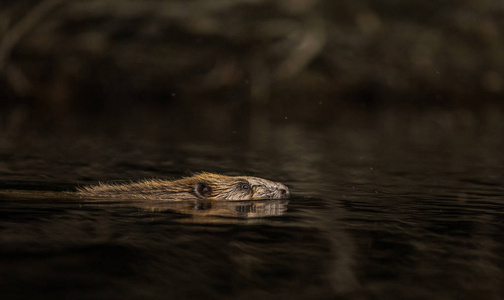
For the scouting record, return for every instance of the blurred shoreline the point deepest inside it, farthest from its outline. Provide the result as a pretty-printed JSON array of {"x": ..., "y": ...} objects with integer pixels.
[{"x": 62, "y": 57}]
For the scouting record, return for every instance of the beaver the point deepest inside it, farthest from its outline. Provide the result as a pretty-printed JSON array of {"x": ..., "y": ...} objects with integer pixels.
[{"x": 207, "y": 186}]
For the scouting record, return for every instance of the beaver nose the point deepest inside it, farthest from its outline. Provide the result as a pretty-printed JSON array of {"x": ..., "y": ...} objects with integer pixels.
[{"x": 284, "y": 193}]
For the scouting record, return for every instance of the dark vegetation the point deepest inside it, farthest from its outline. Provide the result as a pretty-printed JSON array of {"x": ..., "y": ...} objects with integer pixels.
[{"x": 305, "y": 58}]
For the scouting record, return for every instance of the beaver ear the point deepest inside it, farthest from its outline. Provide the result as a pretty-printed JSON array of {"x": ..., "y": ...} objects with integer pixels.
[{"x": 202, "y": 189}]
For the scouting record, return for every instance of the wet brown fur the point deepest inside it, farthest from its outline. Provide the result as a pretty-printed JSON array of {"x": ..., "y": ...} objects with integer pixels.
[{"x": 207, "y": 186}]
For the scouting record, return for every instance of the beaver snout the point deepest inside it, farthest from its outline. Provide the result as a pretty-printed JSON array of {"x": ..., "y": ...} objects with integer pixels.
[{"x": 282, "y": 192}]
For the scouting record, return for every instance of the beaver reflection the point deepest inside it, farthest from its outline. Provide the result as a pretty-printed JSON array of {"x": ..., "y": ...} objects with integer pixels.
[
  {"x": 200, "y": 210},
  {"x": 213, "y": 210}
]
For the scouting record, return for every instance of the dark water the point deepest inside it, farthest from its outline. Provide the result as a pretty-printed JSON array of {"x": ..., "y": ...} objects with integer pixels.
[{"x": 386, "y": 207}]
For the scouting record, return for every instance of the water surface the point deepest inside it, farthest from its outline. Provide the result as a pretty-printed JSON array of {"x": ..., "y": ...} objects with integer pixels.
[{"x": 388, "y": 207}]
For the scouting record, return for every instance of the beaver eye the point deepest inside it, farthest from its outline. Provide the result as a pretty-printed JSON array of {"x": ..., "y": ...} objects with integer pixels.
[{"x": 245, "y": 186}]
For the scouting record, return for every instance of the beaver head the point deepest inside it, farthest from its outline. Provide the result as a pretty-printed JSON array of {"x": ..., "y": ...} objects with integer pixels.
[{"x": 219, "y": 187}]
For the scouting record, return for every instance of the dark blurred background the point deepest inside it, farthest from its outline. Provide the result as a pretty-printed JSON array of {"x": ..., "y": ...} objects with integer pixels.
[
  {"x": 384, "y": 118},
  {"x": 226, "y": 68}
]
